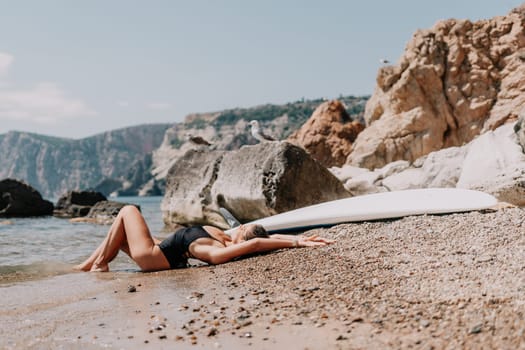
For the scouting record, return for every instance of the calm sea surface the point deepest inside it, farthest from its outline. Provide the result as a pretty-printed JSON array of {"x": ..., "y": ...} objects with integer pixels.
[{"x": 39, "y": 247}]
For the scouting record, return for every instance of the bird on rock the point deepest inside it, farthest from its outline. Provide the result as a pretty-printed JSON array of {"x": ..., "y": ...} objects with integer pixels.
[
  {"x": 197, "y": 140},
  {"x": 258, "y": 133}
]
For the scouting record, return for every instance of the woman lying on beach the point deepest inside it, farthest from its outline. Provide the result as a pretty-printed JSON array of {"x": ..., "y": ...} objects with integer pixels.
[{"x": 130, "y": 234}]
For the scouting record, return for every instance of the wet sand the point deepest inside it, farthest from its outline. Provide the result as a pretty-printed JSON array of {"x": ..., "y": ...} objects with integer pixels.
[{"x": 451, "y": 281}]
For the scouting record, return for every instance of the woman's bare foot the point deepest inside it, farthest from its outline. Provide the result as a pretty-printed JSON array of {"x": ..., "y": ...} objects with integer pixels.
[
  {"x": 82, "y": 267},
  {"x": 99, "y": 268}
]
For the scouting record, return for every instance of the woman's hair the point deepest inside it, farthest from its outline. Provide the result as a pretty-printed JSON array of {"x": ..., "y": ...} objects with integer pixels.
[{"x": 256, "y": 231}]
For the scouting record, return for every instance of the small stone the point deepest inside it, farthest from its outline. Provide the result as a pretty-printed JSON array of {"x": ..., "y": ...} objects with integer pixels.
[
  {"x": 248, "y": 335},
  {"x": 424, "y": 323},
  {"x": 132, "y": 289},
  {"x": 341, "y": 337},
  {"x": 476, "y": 329},
  {"x": 163, "y": 336},
  {"x": 212, "y": 332},
  {"x": 197, "y": 295}
]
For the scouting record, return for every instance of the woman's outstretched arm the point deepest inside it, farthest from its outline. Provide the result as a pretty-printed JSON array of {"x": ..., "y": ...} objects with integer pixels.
[
  {"x": 313, "y": 238},
  {"x": 219, "y": 255}
]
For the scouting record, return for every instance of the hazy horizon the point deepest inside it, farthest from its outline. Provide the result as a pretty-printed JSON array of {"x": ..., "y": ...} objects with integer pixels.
[{"x": 75, "y": 70}]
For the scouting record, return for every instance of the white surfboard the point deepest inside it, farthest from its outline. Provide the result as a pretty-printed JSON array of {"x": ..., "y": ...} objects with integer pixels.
[{"x": 376, "y": 206}]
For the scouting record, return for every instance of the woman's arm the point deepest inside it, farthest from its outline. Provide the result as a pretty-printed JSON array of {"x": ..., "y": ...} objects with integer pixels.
[
  {"x": 313, "y": 238},
  {"x": 219, "y": 255}
]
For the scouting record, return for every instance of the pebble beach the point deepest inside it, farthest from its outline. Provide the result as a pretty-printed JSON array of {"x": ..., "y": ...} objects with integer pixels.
[{"x": 421, "y": 282}]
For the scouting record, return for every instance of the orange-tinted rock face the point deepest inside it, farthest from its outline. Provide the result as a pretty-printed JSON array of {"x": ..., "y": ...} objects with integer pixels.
[
  {"x": 454, "y": 82},
  {"x": 328, "y": 135}
]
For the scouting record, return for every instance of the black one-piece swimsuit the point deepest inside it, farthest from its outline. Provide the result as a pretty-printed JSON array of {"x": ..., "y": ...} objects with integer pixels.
[{"x": 177, "y": 245}]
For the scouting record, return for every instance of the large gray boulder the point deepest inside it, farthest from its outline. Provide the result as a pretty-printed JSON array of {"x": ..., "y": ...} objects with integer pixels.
[
  {"x": 187, "y": 199},
  {"x": 18, "y": 199},
  {"x": 252, "y": 182}
]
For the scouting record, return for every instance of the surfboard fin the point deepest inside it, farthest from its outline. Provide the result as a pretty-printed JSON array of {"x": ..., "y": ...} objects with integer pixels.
[{"x": 230, "y": 219}]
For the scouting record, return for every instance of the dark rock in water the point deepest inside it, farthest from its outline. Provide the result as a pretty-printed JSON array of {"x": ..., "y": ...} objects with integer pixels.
[
  {"x": 252, "y": 182},
  {"x": 20, "y": 199},
  {"x": 77, "y": 203},
  {"x": 104, "y": 212}
]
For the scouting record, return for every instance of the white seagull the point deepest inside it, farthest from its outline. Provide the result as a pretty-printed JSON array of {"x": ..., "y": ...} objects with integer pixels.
[
  {"x": 258, "y": 133},
  {"x": 197, "y": 140},
  {"x": 384, "y": 61}
]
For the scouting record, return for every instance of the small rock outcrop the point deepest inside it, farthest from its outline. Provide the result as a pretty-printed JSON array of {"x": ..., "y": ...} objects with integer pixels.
[
  {"x": 454, "y": 82},
  {"x": 18, "y": 199},
  {"x": 77, "y": 203},
  {"x": 252, "y": 182},
  {"x": 328, "y": 135}
]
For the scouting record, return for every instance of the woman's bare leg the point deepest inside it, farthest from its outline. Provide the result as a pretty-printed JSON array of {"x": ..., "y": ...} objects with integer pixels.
[
  {"x": 130, "y": 233},
  {"x": 86, "y": 265}
]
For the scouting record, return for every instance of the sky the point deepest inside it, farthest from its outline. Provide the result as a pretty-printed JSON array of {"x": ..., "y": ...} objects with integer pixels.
[{"x": 77, "y": 68}]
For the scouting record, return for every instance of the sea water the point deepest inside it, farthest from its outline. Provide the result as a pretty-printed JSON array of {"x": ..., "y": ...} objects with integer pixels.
[{"x": 45, "y": 246}]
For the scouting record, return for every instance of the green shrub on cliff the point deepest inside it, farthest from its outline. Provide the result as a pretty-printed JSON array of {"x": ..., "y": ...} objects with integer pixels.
[{"x": 297, "y": 112}]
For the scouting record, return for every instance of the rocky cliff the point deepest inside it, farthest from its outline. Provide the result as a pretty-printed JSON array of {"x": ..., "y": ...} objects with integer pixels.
[
  {"x": 229, "y": 129},
  {"x": 55, "y": 165},
  {"x": 454, "y": 81},
  {"x": 329, "y": 133}
]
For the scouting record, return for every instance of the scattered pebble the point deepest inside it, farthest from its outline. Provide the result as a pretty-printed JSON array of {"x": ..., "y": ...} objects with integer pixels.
[
  {"x": 476, "y": 329},
  {"x": 132, "y": 289}
]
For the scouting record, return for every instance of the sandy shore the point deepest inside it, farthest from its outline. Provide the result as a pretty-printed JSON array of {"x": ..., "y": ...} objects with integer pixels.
[{"x": 452, "y": 281}]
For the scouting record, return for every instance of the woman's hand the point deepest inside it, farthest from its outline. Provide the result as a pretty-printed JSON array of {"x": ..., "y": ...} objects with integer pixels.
[
  {"x": 313, "y": 241},
  {"x": 218, "y": 234},
  {"x": 238, "y": 235}
]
